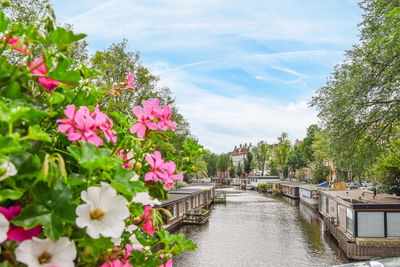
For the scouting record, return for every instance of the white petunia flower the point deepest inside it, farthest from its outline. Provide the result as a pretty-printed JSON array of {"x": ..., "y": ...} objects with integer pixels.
[
  {"x": 104, "y": 213},
  {"x": 135, "y": 177},
  {"x": 44, "y": 252},
  {"x": 9, "y": 169},
  {"x": 145, "y": 199},
  {"x": 4, "y": 227},
  {"x": 134, "y": 242}
]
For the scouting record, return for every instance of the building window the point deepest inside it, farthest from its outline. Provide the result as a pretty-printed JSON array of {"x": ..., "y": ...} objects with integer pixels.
[
  {"x": 349, "y": 221},
  {"x": 370, "y": 224},
  {"x": 393, "y": 224},
  {"x": 181, "y": 208}
]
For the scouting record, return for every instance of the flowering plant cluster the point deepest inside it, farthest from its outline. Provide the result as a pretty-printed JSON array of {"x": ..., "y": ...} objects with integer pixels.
[{"x": 78, "y": 185}]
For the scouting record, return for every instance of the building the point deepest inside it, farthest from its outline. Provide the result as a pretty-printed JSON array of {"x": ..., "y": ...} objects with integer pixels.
[
  {"x": 181, "y": 202},
  {"x": 365, "y": 225},
  {"x": 239, "y": 154}
]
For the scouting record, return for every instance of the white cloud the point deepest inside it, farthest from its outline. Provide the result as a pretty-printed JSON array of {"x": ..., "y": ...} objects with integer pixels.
[{"x": 221, "y": 122}]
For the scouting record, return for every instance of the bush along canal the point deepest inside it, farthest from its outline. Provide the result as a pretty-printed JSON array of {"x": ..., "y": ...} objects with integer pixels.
[{"x": 256, "y": 229}]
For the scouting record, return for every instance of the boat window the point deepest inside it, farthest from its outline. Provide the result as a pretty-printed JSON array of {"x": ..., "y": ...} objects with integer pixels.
[
  {"x": 349, "y": 221},
  {"x": 370, "y": 224},
  {"x": 393, "y": 224}
]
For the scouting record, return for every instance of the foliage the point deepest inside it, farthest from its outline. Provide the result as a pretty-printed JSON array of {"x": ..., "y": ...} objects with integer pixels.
[
  {"x": 232, "y": 171},
  {"x": 359, "y": 105},
  {"x": 223, "y": 162},
  {"x": 262, "y": 153},
  {"x": 211, "y": 161},
  {"x": 281, "y": 153},
  {"x": 58, "y": 149},
  {"x": 248, "y": 162}
]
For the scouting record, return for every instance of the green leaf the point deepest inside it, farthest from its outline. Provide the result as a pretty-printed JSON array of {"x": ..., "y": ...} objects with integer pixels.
[
  {"x": 27, "y": 164},
  {"x": 63, "y": 74},
  {"x": 12, "y": 90},
  {"x": 10, "y": 194},
  {"x": 62, "y": 37},
  {"x": 3, "y": 22},
  {"x": 51, "y": 209},
  {"x": 35, "y": 133},
  {"x": 123, "y": 184},
  {"x": 9, "y": 145},
  {"x": 91, "y": 157},
  {"x": 139, "y": 259},
  {"x": 95, "y": 246}
]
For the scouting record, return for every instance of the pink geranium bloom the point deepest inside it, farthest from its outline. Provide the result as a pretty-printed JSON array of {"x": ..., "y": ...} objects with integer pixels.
[
  {"x": 116, "y": 263},
  {"x": 144, "y": 121},
  {"x": 147, "y": 226},
  {"x": 14, "y": 44},
  {"x": 41, "y": 70},
  {"x": 157, "y": 163},
  {"x": 18, "y": 233},
  {"x": 168, "y": 176},
  {"x": 105, "y": 124},
  {"x": 168, "y": 263},
  {"x": 154, "y": 106},
  {"x": 67, "y": 124},
  {"x": 165, "y": 122},
  {"x": 80, "y": 125},
  {"x": 129, "y": 78},
  {"x": 122, "y": 155}
]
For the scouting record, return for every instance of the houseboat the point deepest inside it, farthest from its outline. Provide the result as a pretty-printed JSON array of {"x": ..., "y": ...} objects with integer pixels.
[
  {"x": 365, "y": 224},
  {"x": 180, "y": 203},
  {"x": 309, "y": 195},
  {"x": 291, "y": 189},
  {"x": 254, "y": 181},
  {"x": 207, "y": 188}
]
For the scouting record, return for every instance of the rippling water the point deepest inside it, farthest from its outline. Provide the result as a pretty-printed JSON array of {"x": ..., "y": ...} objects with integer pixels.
[{"x": 254, "y": 229}]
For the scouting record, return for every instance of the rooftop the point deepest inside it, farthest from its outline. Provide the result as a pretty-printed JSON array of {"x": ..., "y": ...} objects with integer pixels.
[
  {"x": 173, "y": 198},
  {"x": 353, "y": 196}
]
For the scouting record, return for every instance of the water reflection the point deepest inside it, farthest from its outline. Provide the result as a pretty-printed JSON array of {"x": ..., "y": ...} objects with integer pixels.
[{"x": 258, "y": 230}]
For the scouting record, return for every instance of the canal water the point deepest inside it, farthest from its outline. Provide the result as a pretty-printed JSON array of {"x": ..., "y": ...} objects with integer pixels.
[{"x": 256, "y": 229}]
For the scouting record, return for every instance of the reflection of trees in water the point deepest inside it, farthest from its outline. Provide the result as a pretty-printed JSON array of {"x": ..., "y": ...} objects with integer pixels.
[{"x": 310, "y": 224}]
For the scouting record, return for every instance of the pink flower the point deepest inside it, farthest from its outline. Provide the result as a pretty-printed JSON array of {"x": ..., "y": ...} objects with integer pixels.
[
  {"x": 14, "y": 44},
  {"x": 157, "y": 163},
  {"x": 144, "y": 121},
  {"x": 18, "y": 233},
  {"x": 147, "y": 226},
  {"x": 116, "y": 263},
  {"x": 41, "y": 70},
  {"x": 154, "y": 106},
  {"x": 83, "y": 125},
  {"x": 122, "y": 155},
  {"x": 105, "y": 124},
  {"x": 129, "y": 78},
  {"x": 165, "y": 122},
  {"x": 168, "y": 175},
  {"x": 168, "y": 263}
]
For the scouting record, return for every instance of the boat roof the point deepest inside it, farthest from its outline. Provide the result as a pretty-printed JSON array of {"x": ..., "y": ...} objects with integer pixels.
[
  {"x": 173, "y": 198},
  {"x": 353, "y": 196}
]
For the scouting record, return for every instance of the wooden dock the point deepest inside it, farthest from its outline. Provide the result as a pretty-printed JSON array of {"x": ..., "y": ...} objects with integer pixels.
[
  {"x": 220, "y": 199},
  {"x": 196, "y": 218}
]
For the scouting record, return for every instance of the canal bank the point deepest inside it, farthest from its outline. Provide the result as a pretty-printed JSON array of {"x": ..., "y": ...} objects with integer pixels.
[{"x": 259, "y": 230}]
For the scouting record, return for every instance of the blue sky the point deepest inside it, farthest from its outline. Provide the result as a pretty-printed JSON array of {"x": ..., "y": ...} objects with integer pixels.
[{"x": 241, "y": 71}]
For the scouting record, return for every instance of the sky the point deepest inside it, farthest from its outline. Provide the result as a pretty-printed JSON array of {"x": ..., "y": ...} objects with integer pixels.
[{"x": 241, "y": 71}]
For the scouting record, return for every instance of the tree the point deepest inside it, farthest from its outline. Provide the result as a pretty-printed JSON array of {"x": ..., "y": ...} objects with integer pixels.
[
  {"x": 262, "y": 153},
  {"x": 281, "y": 153},
  {"x": 232, "y": 171},
  {"x": 239, "y": 169},
  {"x": 248, "y": 162},
  {"x": 223, "y": 163},
  {"x": 211, "y": 161},
  {"x": 359, "y": 105}
]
